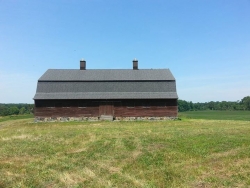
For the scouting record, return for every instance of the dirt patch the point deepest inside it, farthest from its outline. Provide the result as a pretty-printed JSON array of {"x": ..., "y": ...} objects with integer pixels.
[
  {"x": 21, "y": 137},
  {"x": 77, "y": 150},
  {"x": 231, "y": 152},
  {"x": 71, "y": 179}
]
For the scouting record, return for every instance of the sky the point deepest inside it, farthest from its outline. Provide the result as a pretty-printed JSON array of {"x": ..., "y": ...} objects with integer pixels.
[{"x": 205, "y": 43}]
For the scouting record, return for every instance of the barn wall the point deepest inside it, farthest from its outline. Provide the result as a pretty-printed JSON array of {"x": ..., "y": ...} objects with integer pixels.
[
  {"x": 121, "y": 111},
  {"x": 152, "y": 111},
  {"x": 146, "y": 108},
  {"x": 66, "y": 112},
  {"x": 93, "y": 108}
]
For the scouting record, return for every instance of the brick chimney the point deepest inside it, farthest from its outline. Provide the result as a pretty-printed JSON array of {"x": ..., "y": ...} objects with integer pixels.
[
  {"x": 82, "y": 64},
  {"x": 135, "y": 64}
]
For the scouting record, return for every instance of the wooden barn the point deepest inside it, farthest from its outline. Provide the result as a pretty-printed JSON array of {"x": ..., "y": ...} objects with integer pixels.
[{"x": 106, "y": 93}]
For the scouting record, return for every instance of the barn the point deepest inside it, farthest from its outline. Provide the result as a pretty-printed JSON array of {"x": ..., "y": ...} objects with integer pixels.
[{"x": 80, "y": 94}]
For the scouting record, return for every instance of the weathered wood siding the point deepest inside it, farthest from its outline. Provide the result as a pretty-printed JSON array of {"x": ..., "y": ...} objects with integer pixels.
[
  {"x": 106, "y": 108},
  {"x": 96, "y": 108},
  {"x": 152, "y": 111},
  {"x": 66, "y": 112}
]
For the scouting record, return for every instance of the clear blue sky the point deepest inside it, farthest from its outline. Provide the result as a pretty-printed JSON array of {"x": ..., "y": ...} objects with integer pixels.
[{"x": 205, "y": 43}]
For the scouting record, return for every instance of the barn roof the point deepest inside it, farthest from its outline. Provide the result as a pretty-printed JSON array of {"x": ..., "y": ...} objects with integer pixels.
[
  {"x": 106, "y": 84},
  {"x": 107, "y": 95},
  {"x": 106, "y": 75}
]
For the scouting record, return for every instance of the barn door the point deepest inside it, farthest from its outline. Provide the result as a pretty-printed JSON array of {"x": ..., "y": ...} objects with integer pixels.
[{"x": 106, "y": 108}]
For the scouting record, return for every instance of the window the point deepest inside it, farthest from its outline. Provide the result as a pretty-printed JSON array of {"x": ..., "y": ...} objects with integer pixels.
[
  {"x": 66, "y": 105},
  {"x": 82, "y": 105},
  {"x": 130, "y": 104},
  {"x": 58, "y": 104},
  {"x": 146, "y": 104},
  {"x": 161, "y": 104},
  {"x": 50, "y": 105}
]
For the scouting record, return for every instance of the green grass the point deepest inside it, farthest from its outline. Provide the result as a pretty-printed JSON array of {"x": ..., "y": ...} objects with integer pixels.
[
  {"x": 190, "y": 153},
  {"x": 216, "y": 115},
  {"x": 15, "y": 117}
]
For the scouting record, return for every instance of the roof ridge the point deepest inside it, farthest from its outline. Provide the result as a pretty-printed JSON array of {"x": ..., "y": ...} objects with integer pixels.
[
  {"x": 114, "y": 69},
  {"x": 107, "y": 74}
]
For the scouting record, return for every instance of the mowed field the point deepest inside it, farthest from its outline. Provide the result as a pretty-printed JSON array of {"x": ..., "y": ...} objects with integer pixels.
[
  {"x": 216, "y": 115},
  {"x": 181, "y": 153}
]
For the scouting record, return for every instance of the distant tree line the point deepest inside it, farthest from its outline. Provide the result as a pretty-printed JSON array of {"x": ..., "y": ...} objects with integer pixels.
[
  {"x": 15, "y": 109},
  {"x": 243, "y": 104}
]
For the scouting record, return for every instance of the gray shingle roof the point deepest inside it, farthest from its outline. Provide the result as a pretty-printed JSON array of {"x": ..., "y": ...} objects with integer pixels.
[
  {"x": 106, "y": 75},
  {"x": 107, "y": 95},
  {"x": 56, "y": 87},
  {"x": 106, "y": 84}
]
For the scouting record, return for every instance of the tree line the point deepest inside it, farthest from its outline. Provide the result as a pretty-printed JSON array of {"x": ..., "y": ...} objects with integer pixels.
[
  {"x": 15, "y": 109},
  {"x": 243, "y": 104}
]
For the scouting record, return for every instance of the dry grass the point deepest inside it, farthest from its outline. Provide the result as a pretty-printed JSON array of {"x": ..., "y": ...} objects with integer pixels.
[{"x": 189, "y": 153}]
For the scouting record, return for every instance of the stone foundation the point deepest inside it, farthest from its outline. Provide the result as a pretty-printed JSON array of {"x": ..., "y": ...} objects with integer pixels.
[
  {"x": 65, "y": 119},
  {"x": 144, "y": 118}
]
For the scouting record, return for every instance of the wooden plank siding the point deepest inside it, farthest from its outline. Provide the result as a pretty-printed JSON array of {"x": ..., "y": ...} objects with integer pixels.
[
  {"x": 138, "y": 111},
  {"x": 116, "y": 108},
  {"x": 106, "y": 108},
  {"x": 66, "y": 112}
]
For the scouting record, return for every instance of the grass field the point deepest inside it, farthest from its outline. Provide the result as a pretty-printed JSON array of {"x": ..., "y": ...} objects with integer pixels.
[
  {"x": 14, "y": 117},
  {"x": 187, "y": 153},
  {"x": 216, "y": 115}
]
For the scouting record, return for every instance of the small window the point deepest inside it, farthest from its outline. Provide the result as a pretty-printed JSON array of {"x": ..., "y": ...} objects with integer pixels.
[
  {"x": 66, "y": 105},
  {"x": 146, "y": 105},
  {"x": 58, "y": 104},
  {"x": 161, "y": 104},
  {"x": 130, "y": 104},
  {"x": 82, "y": 105},
  {"x": 118, "y": 103},
  {"x": 50, "y": 105}
]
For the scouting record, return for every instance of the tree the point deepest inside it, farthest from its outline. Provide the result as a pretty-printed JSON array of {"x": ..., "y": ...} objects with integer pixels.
[
  {"x": 211, "y": 105},
  {"x": 22, "y": 110},
  {"x": 246, "y": 103},
  {"x": 184, "y": 106},
  {"x": 4, "y": 111},
  {"x": 13, "y": 110}
]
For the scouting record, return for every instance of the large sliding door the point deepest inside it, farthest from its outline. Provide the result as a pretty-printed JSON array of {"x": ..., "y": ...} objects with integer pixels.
[{"x": 106, "y": 108}]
